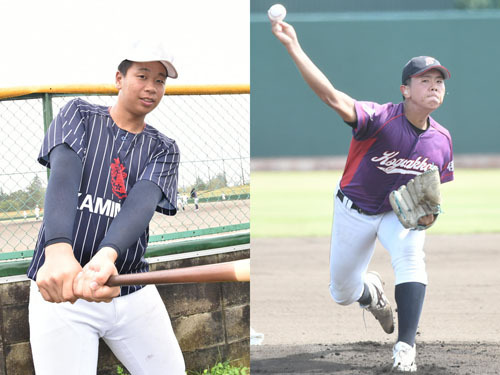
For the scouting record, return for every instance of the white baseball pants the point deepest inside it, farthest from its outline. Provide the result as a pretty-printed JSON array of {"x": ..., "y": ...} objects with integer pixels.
[
  {"x": 353, "y": 243},
  {"x": 64, "y": 337}
]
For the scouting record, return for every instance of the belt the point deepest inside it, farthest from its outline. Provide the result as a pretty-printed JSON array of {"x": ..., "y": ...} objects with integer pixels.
[{"x": 346, "y": 200}]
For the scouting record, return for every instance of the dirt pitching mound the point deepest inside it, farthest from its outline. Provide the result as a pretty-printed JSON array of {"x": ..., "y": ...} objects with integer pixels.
[{"x": 373, "y": 358}]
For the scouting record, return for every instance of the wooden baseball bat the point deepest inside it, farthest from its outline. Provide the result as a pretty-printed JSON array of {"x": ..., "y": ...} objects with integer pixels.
[{"x": 211, "y": 273}]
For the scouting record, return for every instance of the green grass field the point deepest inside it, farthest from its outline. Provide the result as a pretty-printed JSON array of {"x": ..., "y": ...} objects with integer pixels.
[
  {"x": 298, "y": 204},
  {"x": 242, "y": 190}
]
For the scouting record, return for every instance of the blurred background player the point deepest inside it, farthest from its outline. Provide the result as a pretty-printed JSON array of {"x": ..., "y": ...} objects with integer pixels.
[
  {"x": 37, "y": 212},
  {"x": 194, "y": 195},
  {"x": 180, "y": 202}
]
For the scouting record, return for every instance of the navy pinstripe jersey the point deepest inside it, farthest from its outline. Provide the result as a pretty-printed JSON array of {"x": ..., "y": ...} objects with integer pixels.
[{"x": 113, "y": 160}]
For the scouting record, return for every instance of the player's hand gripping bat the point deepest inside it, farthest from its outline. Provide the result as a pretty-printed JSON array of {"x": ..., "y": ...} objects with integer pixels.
[{"x": 230, "y": 271}]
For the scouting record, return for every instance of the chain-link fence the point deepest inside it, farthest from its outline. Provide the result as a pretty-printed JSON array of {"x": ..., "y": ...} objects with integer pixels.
[{"x": 211, "y": 127}]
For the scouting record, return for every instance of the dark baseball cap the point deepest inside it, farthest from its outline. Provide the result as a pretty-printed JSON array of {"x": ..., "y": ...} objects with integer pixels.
[{"x": 421, "y": 64}]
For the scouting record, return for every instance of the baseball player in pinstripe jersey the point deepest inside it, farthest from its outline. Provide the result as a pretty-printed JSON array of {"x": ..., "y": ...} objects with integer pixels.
[
  {"x": 110, "y": 171},
  {"x": 391, "y": 144}
]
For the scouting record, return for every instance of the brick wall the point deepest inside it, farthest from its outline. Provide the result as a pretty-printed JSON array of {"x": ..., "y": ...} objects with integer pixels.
[{"x": 211, "y": 320}]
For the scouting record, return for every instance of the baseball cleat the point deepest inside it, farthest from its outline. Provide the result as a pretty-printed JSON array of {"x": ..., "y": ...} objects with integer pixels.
[
  {"x": 404, "y": 357},
  {"x": 380, "y": 306}
]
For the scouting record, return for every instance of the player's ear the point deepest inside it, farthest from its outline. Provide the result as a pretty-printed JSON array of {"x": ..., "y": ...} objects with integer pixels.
[
  {"x": 118, "y": 80},
  {"x": 405, "y": 91}
]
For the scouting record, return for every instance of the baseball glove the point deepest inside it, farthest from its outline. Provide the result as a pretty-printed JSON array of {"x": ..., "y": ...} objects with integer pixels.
[{"x": 418, "y": 198}]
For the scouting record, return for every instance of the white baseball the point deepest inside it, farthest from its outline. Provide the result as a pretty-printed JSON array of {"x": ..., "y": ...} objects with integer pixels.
[{"x": 276, "y": 13}]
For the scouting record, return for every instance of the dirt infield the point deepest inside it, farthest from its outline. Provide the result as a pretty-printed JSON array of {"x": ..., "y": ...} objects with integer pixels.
[{"x": 305, "y": 332}]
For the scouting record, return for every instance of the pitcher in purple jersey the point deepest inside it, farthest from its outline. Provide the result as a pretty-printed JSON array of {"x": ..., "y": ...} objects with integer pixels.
[
  {"x": 391, "y": 143},
  {"x": 110, "y": 171}
]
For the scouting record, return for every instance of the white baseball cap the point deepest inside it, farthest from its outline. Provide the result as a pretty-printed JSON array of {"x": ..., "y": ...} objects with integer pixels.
[{"x": 140, "y": 51}]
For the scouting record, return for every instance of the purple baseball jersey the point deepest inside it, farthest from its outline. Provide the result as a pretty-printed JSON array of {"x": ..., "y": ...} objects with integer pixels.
[
  {"x": 386, "y": 152},
  {"x": 113, "y": 161}
]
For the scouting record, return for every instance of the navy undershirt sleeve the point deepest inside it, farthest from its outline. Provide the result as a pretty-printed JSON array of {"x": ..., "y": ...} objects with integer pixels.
[
  {"x": 61, "y": 196},
  {"x": 134, "y": 216}
]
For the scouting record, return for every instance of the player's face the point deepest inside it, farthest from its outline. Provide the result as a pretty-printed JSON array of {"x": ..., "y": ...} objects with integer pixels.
[
  {"x": 142, "y": 89},
  {"x": 427, "y": 90}
]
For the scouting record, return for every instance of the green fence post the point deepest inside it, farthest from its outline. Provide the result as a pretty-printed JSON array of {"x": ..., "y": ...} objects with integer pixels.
[{"x": 47, "y": 117}]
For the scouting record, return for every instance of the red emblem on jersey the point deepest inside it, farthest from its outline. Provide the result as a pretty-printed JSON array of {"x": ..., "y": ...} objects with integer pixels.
[{"x": 118, "y": 176}]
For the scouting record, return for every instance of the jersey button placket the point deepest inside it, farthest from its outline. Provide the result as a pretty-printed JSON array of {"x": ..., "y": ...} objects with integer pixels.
[
  {"x": 124, "y": 139},
  {"x": 409, "y": 155}
]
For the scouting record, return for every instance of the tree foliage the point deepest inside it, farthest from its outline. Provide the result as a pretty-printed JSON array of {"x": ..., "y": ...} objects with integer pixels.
[
  {"x": 478, "y": 4},
  {"x": 23, "y": 199},
  {"x": 217, "y": 182}
]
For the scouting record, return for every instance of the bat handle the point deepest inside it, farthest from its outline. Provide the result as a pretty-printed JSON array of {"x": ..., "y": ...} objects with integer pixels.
[{"x": 220, "y": 272}]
